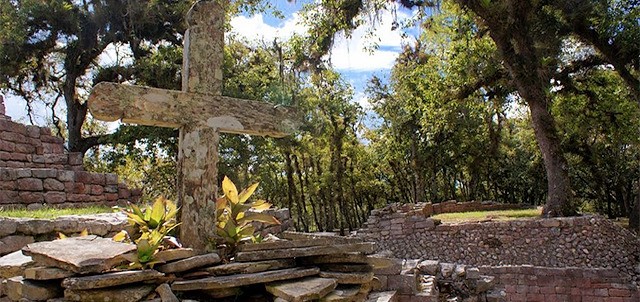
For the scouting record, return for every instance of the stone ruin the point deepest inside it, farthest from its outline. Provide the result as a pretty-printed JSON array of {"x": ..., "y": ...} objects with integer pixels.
[
  {"x": 297, "y": 267},
  {"x": 586, "y": 258},
  {"x": 35, "y": 171}
]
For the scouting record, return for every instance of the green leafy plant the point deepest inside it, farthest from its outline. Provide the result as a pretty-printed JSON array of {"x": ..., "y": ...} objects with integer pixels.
[
  {"x": 235, "y": 216},
  {"x": 152, "y": 225}
]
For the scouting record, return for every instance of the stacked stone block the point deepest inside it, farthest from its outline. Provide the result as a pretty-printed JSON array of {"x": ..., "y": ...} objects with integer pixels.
[
  {"x": 36, "y": 171},
  {"x": 531, "y": 283}
]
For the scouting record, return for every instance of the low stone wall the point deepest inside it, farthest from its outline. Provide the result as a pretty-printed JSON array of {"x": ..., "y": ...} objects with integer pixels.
[
  {"x": 32, "y": 187},
  {"x": 15, "y": 233},
  {"x": 453, "y": 206},
  {"x": 531, "y": 283},
  {"x": 590, "y": 241},
  {"x": 35, "y": 170}
]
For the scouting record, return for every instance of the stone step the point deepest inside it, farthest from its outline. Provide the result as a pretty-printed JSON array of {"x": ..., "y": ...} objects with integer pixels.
[
  {"x": 349, "y": 278},
  {"x": 46, "y": 273},
  {"x": 291, "y": 235},
  {"x": 190, "y": 263},
  {"x": 388, "y": 296},
  {"x": 365, "y": 247},
  {"x": 310, "y": 288},
  {"x": 243, "y": 279}
]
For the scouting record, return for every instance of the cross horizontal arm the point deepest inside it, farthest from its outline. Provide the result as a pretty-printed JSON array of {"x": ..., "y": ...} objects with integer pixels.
[{"x": 173, "y": 109}]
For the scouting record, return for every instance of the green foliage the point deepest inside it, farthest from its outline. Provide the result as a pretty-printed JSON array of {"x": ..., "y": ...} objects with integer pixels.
[
  {"x": 235, "y": 215},
  {"x": 152, "y": 224},
  {"x": 52, "y": 213}
]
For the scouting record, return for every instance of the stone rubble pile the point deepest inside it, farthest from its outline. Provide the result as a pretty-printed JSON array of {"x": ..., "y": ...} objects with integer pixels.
[{"x": 299, "y": 267}]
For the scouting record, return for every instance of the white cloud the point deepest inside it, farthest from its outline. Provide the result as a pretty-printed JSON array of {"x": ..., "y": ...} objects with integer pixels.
[
  {"x": 347, "y": 54},
  {"x": 255, "y": 28}
]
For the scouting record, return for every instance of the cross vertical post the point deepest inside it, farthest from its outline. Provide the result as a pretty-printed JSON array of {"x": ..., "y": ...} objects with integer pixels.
[{"x": 198, "y": 146}]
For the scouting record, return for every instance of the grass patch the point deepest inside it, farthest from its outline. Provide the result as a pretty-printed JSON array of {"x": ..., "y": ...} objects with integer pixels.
[
  {"x": 49, "y": 213},
  {"x": 486, "y": 215}
]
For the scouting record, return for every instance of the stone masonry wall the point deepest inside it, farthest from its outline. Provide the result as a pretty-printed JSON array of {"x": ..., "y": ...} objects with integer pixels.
[
  {"x": 589, "y": 241},
  {"x": 35, "y": 170},
  {"x": 531, "y": 283}
]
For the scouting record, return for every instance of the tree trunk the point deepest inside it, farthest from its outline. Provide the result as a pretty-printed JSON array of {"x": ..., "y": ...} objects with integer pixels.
[{"x": 511, "y": 29}]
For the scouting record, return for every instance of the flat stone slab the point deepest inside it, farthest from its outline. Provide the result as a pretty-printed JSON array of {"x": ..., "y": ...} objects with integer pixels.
[
  {"x": 250, "y": 267},
  {"x": 14, "y": 264},
  {"x": 285, "y": 244},
  {"x": 46, "y": 273},
  {"x": 166, "y": 294},
  {"x": 344, "y": 293},
  {"x": 388, "y": 296},
  {"x": 346, "y": 267},
  {"x": 190, "y": 263},
  {"x": 310, "y": 288},
  {"x": 110, "y": 279},
  {"x": 365, "y": 247},
  {"x": 89, "y": 254},
  {"x": 340, "y": 258},
  {"x": 127, "y": 293},
  {"x": 349, "y": 278},
  {"x": 175, "y": 254},
  {"x": 243, "y": 279},
  {"x": 20, "y": 288}
]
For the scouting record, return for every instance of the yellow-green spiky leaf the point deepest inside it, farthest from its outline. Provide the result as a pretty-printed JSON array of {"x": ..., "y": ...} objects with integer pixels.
[
  {"x": 229, "y": 189},
  {"x": 120, "y": 237},
  {"x": 246, "y": 193}
]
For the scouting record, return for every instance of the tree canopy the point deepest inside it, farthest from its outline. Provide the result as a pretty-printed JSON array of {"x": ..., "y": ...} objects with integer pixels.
[{"x": 516, "y": 101}]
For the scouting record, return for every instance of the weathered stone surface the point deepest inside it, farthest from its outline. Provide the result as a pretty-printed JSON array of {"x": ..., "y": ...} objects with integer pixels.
[
  {"x": 429, "y": 267},
  {"x": 19, "y": 288},
  {"x": 175, "y": 254},
  {"x": 131, "y": 293},
  {"x": 344, "y": 293},
  {"x": 190, "y": 263},
  {"x": 14, "y": 264},
  {"x": 310, "y": 288},
  {"x": 46, "y": 273},
  {"x": 89, "y": 254},
  {"x": 388, "y": 296},
  {"x": 366, "y": 247},
  {"x": 250, "y": 267},
  {"x": 349, "y": 278},
  {"x": 243, "y": 279},
  {"x": 221, "y": 292},
  {"x": 11, "y": 244},
  {"x": 285, "y": 244},
  {"x": 485, "y": 283},
  {"x": 9, "y": 226},
  {"x": 166, "y": 294},
  {"x": 385, "y": 264},
  {"x": 110, "y": 279},
  {"x": 403, "y": 284},
  {"x": 346, "y": 267},
  {"x": 336, "y": 258}
]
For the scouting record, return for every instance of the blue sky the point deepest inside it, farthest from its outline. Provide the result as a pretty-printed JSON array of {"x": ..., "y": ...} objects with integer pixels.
[{"x": 348, "y": 55}]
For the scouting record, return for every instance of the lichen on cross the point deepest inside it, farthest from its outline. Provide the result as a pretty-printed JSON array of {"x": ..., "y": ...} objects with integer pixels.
[{"x": 200, "y": 112}]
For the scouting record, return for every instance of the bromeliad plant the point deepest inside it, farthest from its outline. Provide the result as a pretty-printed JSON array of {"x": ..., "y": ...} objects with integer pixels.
[
  {"x": 235, "y": 216},
  {"x": 152, "y": 225}
]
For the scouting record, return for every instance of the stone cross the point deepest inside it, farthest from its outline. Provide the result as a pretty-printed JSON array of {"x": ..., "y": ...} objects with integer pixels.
[{"x": 200, "y": 112}]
